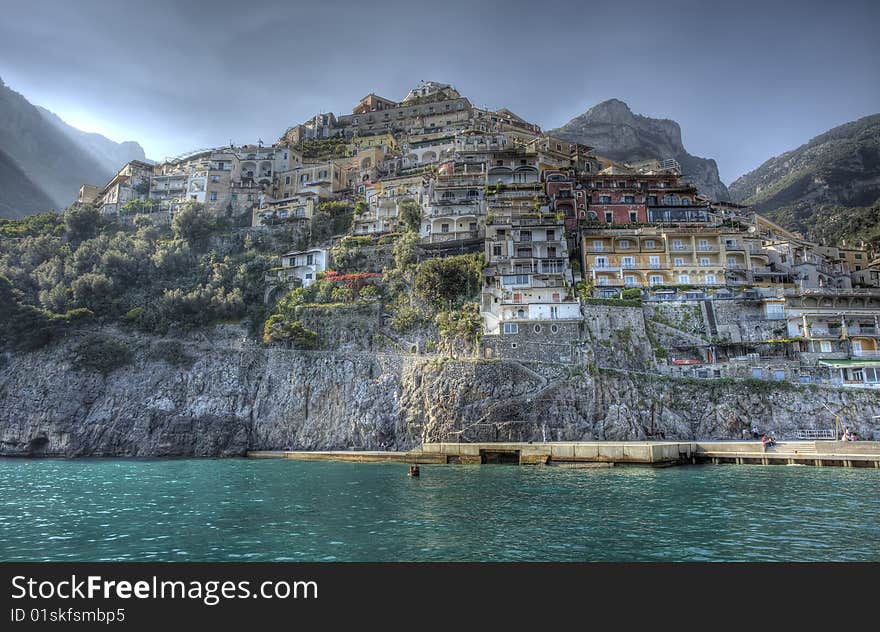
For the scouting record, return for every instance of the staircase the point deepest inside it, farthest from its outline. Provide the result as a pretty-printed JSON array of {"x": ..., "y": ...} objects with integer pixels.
[{"x": 794, "y": 447}]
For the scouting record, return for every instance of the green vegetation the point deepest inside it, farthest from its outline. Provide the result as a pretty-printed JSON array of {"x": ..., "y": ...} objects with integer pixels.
[
  {"x": 411, "y": 214},
  {"x": 61, "y": 268},
  {"x": 612, "y": 302},
  {"x": 324, "y": 148},
  {"x": 101, "y": 354},
  {"x": 329, "y": 219},
  {"x": 447, "y": 283}
]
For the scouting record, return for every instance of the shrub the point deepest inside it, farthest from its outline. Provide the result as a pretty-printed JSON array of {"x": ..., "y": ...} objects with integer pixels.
[
  {"x": 171, "y": 352},
  {"x": 444, "y": 283},
  {"x": 101, "y": 354},
  {"x": 277, "y": 329}
]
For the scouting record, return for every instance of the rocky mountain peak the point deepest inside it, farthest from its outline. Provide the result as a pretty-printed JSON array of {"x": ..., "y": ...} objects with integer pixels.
[{"x": 619, "y": 134}]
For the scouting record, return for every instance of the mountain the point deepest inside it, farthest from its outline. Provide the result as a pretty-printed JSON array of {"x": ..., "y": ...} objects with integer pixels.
[
  {"x": 19, "y": 195},
  {"x": 110, "y": 154},
  {"x": 825, "y": 187},
  {"x": 49, "y": 162},
  {"x": 618, "y": 134}
]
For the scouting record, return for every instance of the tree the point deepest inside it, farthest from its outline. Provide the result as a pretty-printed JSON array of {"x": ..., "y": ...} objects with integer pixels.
[
  {"x": 443, "y": 283},
  {"x": 93, "y": 291},
  {"x": 82, "y": 222},
  {"x": 411, "y": 214},
  {"x": 193, "y": 223}
]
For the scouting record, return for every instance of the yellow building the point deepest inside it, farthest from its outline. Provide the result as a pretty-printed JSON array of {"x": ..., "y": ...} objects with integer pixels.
[{"x": 653, "y": 256}]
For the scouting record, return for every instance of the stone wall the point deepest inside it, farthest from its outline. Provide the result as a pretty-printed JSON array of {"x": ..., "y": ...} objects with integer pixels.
[{"x": 216, "y": 396}]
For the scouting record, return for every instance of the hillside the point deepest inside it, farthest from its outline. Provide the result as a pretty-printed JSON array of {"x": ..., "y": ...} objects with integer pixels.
[
  {"x": 618, "y": 134},
  {"x": 825, "y": 187},
  {"x": 19, "y": 196},
  {"x": 53, "y": 158}
]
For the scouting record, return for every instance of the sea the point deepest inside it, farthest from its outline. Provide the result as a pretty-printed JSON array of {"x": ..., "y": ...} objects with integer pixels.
[{"x": 284, "y": 510}]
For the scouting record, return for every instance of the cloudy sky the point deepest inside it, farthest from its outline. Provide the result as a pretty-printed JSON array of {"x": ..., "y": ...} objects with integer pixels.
[{"x": 746, "y": 79}]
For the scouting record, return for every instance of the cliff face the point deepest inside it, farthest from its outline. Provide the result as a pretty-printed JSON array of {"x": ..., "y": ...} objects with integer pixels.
[
  {"x": 618, "y": 134},
  {"x": 214, "y": 396}
]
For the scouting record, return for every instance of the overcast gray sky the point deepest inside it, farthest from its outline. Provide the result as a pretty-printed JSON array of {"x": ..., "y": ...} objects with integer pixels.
[{"x": 746, "y": 80}]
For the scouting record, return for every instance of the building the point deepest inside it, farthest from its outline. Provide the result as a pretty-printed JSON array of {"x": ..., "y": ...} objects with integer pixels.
[
  {"x": 527, "y": 303},
  {"x": 300, "y": 268},
  {"x": 296, "y": 208}
]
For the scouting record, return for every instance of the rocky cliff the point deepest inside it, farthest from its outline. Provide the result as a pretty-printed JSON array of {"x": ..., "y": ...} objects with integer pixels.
[
  {"x": 618, "y": 134},
  {"x": 213, "y": 394}
]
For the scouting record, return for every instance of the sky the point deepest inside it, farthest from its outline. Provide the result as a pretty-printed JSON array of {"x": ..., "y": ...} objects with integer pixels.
[{"x": 746, "y": 80}]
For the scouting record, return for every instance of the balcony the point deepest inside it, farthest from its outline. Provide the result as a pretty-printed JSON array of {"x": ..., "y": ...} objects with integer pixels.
[
  {"x": 707, "y": 248},
  {"x": 605, "y": 268},
  {"x": 438, "y": 238}
]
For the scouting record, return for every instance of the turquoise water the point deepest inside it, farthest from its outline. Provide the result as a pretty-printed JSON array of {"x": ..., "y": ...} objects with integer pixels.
[{"x": 237, "y": 509}]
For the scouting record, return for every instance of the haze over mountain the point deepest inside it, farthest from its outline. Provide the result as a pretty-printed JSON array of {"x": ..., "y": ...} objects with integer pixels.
[
  {"x": 45, "y": 160},
  {"x": 618, "y": 134},
  {"x": 828, "y": 188}
]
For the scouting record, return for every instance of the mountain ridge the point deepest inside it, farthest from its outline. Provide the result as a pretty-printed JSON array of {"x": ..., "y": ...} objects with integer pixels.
[
  {"x": 824, "y": 187},
  {"x": 51, "y": 159},
  {"x": 619, "y": 134}
]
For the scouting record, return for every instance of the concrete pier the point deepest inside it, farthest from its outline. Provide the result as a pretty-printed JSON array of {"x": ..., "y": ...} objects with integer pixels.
[{"x": 612, "y": 453}]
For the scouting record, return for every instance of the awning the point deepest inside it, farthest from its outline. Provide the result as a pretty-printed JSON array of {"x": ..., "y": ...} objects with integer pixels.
[{"x": 843, "y": 364}]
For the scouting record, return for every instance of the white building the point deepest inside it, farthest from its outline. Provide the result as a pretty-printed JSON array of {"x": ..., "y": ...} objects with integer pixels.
[{"x": 301, "y": 267}]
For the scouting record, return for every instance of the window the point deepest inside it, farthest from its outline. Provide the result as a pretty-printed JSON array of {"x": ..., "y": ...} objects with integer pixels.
[
  {"x": 621, "y": 185},
  {"x": 554, "y": 313},
  {"x": 496, "y": 251},
  {"x": 649, "y": 243},
  {"x": 602, "y": 280},
  {"x": 601, "y": 262},
  {"x": 609, "y": 217},
  {"x": 537, "y": 329},
  {"x": 705, "y": 261},
  {"x": 551, "y": 235},
  {"x": 652, "y": 200},
  {"x": 604, "y": 199},
  {"x": 774, "y": 310},
  {"x": 628, "y": 262},
  {"x": 444, "y": 228},
  {"x": 677, "y": 244},
  {"x": 679, "y": 261},
  {"x": 287, "y": 180},
  {"x": 554, "y": 328},
  {"x": 511, "y": 328},
  {"x": 213, "y": 196},
  {"x": 710, "y": 279},
  {"x": 633, "y": 217},
  {"x": 684, "y": 279},
  {"x": 526, "y": 235},
  {"x": 704, "y": 244},
  {"x": 654, "y": 261},
  {"x": 630, "y": 280},
  {"x": 825, "y": 346},
  {"x": 859, "y": 255},
  {"x": 629, "y": 199},
  {"x": 656, "y": 279},
  {"x": 517, "y": 297},
  {"x": 310, "y": 260},
  {"x": 624, "y": 243},
  {"x": 598, "y": 246},
  {"x": 215, "y": 178}
]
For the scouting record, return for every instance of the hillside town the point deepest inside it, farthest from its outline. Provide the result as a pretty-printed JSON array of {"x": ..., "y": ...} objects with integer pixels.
[{"x": 565, "y": 234}]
